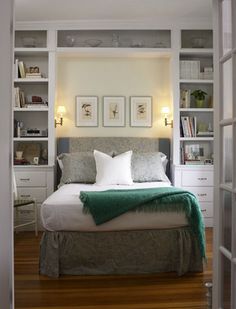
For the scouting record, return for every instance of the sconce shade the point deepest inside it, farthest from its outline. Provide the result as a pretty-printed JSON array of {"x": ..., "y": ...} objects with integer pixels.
[
  {"x": 165, "y": 110},
  {"x": 61, "y": 110}
]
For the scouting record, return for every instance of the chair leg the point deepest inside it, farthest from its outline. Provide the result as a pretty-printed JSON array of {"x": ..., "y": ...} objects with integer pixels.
[{"x": 36, "y": 218}]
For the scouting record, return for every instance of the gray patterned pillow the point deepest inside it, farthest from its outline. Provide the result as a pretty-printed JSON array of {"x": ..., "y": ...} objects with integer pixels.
[
  {"x": 148, "y": 167},
  {"x": 77, "y": 167}
]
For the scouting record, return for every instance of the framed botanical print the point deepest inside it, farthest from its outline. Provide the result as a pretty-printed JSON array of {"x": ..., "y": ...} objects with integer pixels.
[
  {"x": 141, "y": 111},
  {"x": 86, "y": 111},
  {"x": 114, "y": 111}
]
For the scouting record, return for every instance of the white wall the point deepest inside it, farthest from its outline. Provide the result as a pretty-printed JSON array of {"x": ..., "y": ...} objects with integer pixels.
[
  {"x": 113, "y": 76},
  {"x": 6, "y": 233}
]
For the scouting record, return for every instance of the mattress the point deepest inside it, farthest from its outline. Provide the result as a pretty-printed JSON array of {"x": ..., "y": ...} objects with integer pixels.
[{"x": 63, "y": 211}]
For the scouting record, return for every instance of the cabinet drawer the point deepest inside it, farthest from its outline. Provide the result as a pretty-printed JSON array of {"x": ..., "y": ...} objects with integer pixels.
[
  {"x": 39, "y": 194},
  {"x": 197, "y": 178},
  {"x": 203, "y": 194},
  {"x": 207, "y": 209},
  {"x": 31, "y": 179}
]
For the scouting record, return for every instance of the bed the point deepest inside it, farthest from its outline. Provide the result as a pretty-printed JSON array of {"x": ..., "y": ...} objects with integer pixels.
[{"x": 133, "y": 242}]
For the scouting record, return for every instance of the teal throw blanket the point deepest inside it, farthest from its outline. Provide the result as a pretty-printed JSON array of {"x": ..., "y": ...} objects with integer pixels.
[{"x": 106, "y": 205}]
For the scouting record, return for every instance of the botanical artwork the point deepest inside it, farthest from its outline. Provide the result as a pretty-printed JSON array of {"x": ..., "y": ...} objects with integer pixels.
[
  {"x": 141, "y": 111},
  {"x": 86, "y": 111},
  {"x": 113, "y": 111}
]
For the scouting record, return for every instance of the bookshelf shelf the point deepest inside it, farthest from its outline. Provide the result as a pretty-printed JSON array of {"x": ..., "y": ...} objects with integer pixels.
[
  {"x": 30, "y": 139},
  {"x": 196, "y": 139},
  {"x": 198, "y": 110},
  {"x": 30, "y": 109},
  {"x": 31, "y": 80},
  {"x": 196, "y": 81}
]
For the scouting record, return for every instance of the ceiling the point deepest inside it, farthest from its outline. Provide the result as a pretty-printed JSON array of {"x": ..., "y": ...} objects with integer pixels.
[{"x": 135, "y": 10}]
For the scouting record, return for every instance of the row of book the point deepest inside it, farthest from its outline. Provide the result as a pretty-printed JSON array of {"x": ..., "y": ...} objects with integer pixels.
[
  {"x": 22, "y": 72},
  {"x": 191, "y": 69},
  {"x": 188, "y": 126},
  {"x": 21, "y": 100}
]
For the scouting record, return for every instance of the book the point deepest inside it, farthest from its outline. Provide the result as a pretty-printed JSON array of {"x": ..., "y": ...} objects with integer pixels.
[
  {"x": 186, "y": 126},
  {"x": 16, "y": 69},
  {"x": 185, "y": 98},
  {"x": 21, "y": 66},
  {"x": 194, "y": 162},
  {"x": 33, "y": 75},
  {"x": 22, "y": 98},
  {"x": 205, "y": 134},
  {"x": 17, "y": 96},
  {"x": 33, "y": 105}
]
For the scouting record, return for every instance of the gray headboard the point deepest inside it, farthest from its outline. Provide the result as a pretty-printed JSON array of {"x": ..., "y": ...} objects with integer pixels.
[{"x": 118, "y": 144}]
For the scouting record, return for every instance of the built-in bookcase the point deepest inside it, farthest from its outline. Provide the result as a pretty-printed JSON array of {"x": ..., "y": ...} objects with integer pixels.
[
  {"x": 193, "y": 119},
  {"x": 33, "y": 115}
]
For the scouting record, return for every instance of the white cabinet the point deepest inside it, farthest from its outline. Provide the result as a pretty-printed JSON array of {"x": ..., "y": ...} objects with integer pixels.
[
  {"x": 33, "y": 182},
  {"x": 199, "y": 181}
]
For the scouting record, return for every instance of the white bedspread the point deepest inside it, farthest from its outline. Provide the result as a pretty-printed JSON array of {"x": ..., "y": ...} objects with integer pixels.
[{"x": 63, "y": 211}]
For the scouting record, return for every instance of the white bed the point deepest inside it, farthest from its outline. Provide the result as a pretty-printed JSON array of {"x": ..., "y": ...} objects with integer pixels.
[{"x": 63, "y": 211}]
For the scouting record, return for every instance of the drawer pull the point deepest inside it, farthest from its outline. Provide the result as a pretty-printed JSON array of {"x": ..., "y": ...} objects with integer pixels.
[
  {"x": 25, "y": 179},
  {"x": 203, "y": 210},
  {"x": 201, "y": 194},
  {"x": 202, "y": 178},
  {"x": 25, "y": 195}
]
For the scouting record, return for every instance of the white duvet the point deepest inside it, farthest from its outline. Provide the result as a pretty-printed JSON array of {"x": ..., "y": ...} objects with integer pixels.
[{"x": 63, "y": 211}]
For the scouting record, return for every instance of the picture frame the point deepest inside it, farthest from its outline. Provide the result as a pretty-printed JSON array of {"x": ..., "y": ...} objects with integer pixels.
[
  {"x": 113, "y": 111},
  {"x": 141, "y": 111},
  {"x": 86, "y": 112}
]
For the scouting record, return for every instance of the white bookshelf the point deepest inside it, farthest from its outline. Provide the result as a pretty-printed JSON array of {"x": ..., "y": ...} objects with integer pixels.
[
  {"x": 192, "y": 171},
  {"x": 31, "y": 47}
]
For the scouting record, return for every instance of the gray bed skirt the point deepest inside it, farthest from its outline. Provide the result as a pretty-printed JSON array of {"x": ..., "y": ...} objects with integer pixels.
[{"x": 122, "y": 252}]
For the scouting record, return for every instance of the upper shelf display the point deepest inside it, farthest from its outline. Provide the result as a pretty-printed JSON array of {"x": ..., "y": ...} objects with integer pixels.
[
  {"x": 196, "y": 39},
  {"x": 114, "y": 38},
  {"x": 31, "y": 39}
]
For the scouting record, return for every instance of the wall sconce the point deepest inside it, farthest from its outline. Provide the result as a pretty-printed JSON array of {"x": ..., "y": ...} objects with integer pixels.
[
  {"x": 61, "y": 110},
  {"x": 165, "y": 110}
]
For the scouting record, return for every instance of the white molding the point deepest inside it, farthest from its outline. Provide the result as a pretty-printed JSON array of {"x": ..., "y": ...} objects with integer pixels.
[{"x": 112, "y": 24}]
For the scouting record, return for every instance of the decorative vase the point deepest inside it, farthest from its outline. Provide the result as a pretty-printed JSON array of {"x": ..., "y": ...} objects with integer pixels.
[{"x": 199, "y": 103}]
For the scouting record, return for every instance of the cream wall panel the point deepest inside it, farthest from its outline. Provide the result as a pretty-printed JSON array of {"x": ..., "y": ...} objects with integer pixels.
[{"x": 113, "y": 76}]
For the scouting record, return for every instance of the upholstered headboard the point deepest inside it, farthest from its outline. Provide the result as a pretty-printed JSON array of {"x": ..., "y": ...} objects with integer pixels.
[{"x": 117, "y": 144}]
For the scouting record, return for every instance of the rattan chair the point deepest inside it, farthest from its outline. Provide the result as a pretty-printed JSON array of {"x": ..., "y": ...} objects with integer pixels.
[{"x": 19, "y": 202}]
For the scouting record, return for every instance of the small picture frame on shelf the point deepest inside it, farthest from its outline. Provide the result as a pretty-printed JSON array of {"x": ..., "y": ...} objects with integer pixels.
[
  {"x": 113, "y": 111},
  {"x": 141, "y": 111},
  {"x": 86, "y": 111}
]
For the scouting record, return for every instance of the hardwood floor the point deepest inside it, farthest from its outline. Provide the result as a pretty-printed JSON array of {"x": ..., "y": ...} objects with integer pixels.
[{"x": 33, "y": 291}]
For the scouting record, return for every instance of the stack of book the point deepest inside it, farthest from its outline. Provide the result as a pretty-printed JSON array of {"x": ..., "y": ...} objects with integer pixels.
[
  {"x": 33, "y": 75},
  {"x": 189, "y": 69},
  {"x": 188, "y": 126}
]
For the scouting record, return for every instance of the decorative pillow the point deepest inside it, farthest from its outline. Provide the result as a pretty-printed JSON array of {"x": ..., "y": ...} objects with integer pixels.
[
  {"x": 148, "y": 167},
  {"x": 77, "y": 167},
  {"x": 113, "y": 171}
]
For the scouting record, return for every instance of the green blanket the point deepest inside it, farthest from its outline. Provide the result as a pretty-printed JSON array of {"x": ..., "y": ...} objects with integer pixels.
[{"x": 106, "y": 205}]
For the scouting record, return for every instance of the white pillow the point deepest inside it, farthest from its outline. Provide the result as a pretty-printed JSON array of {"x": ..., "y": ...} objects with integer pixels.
[{"x": 113, "y": 171}]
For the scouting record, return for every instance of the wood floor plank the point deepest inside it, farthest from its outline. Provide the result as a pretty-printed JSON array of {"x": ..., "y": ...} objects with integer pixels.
[{"x": 149, "y": 291}]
